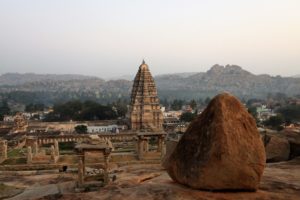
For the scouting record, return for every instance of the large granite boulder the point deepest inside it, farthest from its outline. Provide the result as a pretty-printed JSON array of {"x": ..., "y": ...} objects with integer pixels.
[
  {"x": 293, "y": 136},
  {"x": 277, "y": 148},
  {"x": 221, "y": 149}
]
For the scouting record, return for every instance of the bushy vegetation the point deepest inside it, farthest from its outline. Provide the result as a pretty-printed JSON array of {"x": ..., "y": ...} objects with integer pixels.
[
  {"x": 290, "y": 113},
  {"x": 188, "y": 116},
  {"x": 285, "y": 115},
  {"x": 81, "y": 129},
  {"x": 275, "y": 122},
  {"x": 88, "y": 110},
  {"x": 4, "y": 109},
  {"x": 252, "y": 110},
  {"x": 33, "y": 107}
]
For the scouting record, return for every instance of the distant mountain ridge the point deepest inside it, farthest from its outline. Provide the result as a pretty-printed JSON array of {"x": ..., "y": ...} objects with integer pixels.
[
  {"x": 231, "y": 78},
  {"x": 18, "y": 79}
]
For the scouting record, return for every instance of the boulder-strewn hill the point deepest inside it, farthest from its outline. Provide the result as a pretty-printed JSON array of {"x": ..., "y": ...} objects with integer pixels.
[
  {"x": 230, "y": 78},
  {"x": 27, "y": 88}
]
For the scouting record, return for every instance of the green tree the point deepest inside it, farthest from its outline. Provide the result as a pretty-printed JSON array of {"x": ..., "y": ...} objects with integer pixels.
[
  {"x": 88, "y": 110},
  {"x": 121, "y": 107},
  {"x": 187, "y": 117},
  {"x": 207, "y": 100},
  {"x": 81, "y": 129},
  {"x": 275, "y": 122},
  {"x": 252, "y": 110},
  {"x": 193, "y": 104},
  {"x": 177, "y": 104},
  {"x": 34, "y": 107},
  {"x": 290, "y": 113},
  {"x": 4, "y": 109}
]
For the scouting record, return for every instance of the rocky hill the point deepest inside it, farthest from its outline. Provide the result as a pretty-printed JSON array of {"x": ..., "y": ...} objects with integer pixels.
[
  {"x": 53, "y": 88},
  {"x": 230, "y": 78}
]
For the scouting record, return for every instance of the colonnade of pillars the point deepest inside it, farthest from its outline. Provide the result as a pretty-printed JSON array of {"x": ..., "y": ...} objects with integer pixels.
[{"x": 34, "y": 150}]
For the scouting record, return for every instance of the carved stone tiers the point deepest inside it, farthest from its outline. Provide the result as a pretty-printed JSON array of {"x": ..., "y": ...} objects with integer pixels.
[{"x": 145, "y": 113}]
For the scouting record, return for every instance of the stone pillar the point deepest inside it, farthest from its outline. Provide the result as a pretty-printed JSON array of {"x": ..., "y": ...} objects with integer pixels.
[
  {"x": 29, "y": 155},
  {"x": 106, "y": 159},
  {"x": 163, "y": 147},
  {"x": 106, "y": 166},
  {"x": 83, "y": 162},
  {"x": 159, "y": 145},
  {"x": 80, "y": 172},
  {"x": 56, "y": 148},
  {"x": 146, "y": 144},
  {"x": 35, "y": 148},
  {"x": 140, "y": 148},
  {"x": 3, "y": 150},
  {"x": 52, "y": 151}
]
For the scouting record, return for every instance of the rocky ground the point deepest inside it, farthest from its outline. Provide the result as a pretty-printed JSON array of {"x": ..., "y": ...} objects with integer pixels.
[{"x": 280, "y": 181}]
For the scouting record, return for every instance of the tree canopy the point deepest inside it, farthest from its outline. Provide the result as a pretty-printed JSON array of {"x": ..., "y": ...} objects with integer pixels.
[
  {"x": 290, "y": 113},
  {"x": 4, "y": 109},
  {"x": 88, "y": 110},
  {"x": 188, "y": 116},
  {"x": 81, "y": 129}
]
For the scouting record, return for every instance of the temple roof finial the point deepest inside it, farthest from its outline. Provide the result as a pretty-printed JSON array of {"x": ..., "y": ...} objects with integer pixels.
[{"x": 143, "y": 62}]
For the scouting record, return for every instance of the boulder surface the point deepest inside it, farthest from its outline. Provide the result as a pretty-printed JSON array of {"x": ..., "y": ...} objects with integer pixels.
[
  {"x": 221, "y": 149},
  {"x": 277, "y": 148}
]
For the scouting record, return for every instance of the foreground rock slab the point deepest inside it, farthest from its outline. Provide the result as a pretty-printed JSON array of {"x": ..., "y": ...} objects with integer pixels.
[
  {"x": 39, "y": 192},
  {"x": 221, "y": 149},
  {"x": 280, "y": 181}
]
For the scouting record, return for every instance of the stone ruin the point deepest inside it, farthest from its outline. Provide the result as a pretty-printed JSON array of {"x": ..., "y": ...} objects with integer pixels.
[
  {"x": 35, "y": 156},
  {"x": 221, "y": 149},
  {"x": 143, "y": 146},
  {"x": 20, "y": 123},
  {"x": 96, "y": 177}
]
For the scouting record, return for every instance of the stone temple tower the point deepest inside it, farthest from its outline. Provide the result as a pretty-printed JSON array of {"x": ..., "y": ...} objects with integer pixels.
[{"x": 145, "y": 113}]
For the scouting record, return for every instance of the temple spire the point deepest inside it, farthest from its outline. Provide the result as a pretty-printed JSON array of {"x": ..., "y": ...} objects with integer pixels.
[{"x": 145, "y": 113}]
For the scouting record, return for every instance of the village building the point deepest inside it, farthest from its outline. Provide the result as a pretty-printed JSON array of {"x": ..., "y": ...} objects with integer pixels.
[
  {"x": 8, "y": 118},
  {"x": 100, "y": 129}
]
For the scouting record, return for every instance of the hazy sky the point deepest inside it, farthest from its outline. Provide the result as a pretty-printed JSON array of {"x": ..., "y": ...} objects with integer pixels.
[{"x": 110, "y": 38}]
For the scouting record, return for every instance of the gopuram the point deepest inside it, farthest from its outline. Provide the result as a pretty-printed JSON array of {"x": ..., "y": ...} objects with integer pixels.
[{"x": 145, "y": 115}]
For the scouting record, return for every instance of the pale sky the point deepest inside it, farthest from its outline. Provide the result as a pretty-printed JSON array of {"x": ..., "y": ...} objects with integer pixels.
[{"x": 110, "y": 38}]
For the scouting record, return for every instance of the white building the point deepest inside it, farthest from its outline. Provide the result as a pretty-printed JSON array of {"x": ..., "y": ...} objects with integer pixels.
[
  {"x": 102, "y": 129},
  {"x": 8, "y": 118}
]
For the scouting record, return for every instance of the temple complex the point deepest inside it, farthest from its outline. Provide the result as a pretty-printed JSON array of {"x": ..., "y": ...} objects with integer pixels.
[{"x": 145, "y": 113}]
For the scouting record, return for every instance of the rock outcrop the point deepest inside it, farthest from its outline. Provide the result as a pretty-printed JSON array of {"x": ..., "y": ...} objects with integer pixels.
[
  {"x": 293, "y": 137},
  {"x": 221, "y": 149},
  {"x": 277, "y": 148}
]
